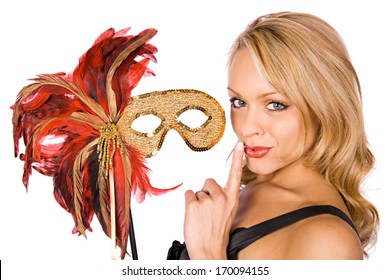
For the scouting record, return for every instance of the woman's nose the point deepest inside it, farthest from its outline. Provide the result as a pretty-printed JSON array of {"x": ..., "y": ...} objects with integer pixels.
[{"x": 252, "y": 124}]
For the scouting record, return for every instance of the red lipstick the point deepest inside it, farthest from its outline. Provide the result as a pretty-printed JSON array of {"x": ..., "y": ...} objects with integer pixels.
[{"x": 256, "y": 151}]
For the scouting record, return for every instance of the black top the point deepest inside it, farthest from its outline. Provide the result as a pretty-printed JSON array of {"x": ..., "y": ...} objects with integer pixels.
[{"x": 240, "y": 238}]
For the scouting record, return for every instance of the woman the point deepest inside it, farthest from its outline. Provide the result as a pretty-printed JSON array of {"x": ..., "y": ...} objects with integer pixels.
[{"x": 296, "y": 110}]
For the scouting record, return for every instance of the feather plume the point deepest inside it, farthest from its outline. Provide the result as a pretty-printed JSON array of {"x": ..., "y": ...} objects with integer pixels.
[{"x": 67, "y": 123}]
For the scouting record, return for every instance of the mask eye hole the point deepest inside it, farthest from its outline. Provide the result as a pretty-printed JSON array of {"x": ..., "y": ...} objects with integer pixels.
[
  {"x": 193, "y": 118},
  {"x": 146, "y": 123}
]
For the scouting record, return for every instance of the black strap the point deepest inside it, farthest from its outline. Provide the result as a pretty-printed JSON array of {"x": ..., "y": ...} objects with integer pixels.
[{"x": 243, "y": 237}]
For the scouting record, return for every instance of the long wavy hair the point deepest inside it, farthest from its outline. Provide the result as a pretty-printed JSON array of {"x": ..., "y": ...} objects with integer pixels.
[{"x": 304, "y": 58}]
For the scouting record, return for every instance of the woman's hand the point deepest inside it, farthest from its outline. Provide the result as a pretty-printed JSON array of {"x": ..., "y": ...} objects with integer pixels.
[{"x": 210, "y": 212}]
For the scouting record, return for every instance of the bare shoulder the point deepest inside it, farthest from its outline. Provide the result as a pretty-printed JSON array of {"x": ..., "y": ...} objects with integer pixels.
[{"x": 324, "y": 237}]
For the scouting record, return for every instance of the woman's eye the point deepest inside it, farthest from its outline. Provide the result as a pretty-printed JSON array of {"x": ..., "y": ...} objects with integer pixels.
[
  {"x": 276, "y": 106},
  {"x": 237, "y": 103}
]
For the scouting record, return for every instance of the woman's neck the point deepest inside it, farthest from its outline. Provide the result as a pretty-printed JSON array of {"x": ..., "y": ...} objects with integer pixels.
[{"x": 290, "y": 176}]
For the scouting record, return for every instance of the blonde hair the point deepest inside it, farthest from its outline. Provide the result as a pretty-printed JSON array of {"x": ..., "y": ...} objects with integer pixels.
[{"x": 304, "y": 58}]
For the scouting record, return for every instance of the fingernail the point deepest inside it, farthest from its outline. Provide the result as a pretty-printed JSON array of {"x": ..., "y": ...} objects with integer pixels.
[{"x": 240, "y": 146}]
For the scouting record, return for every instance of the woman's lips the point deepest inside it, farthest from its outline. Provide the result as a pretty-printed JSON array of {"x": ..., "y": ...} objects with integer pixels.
[{"x": 257, "y": 151}]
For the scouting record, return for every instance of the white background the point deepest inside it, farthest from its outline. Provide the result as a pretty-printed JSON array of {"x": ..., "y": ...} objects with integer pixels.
[{"x": 193, "y": 40}]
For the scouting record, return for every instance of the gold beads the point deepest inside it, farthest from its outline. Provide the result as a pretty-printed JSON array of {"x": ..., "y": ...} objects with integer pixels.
[{"x": 109, "y": 141}]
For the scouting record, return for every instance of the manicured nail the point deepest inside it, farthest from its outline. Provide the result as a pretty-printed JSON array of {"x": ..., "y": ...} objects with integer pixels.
[{"x": 240, "y": 146}]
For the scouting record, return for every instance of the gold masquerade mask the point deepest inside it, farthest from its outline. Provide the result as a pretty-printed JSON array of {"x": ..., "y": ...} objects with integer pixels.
[
  {"x": 168, "y": 106},
  {"x": 96, "y": 158}
]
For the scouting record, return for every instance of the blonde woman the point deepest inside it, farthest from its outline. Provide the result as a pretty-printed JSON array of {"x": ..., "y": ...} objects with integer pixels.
[{"x": 297, "y": 113}]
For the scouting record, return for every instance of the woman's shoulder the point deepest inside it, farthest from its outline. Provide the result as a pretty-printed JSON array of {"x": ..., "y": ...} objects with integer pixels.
[{"x": 324, "y": 237}]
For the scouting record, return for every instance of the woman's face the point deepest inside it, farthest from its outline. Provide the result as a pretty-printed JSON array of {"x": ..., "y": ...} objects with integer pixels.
[{"x": 266, "y": 121}]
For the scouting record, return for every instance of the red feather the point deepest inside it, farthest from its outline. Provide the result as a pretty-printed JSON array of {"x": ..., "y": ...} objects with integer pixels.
[{"x": 122, "y": 198}]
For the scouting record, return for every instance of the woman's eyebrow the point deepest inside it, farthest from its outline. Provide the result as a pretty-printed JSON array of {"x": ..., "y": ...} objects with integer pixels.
[
  {"x": 235, "y": 92},
  {"x": 259, "y": 95}
]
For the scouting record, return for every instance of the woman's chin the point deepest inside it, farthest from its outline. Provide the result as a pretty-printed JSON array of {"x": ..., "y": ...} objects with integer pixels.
[{"x": 260, "y": 170}]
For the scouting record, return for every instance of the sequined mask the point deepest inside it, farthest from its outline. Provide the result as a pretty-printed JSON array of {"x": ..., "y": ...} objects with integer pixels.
[
  {"x": 168, "y": 106},
  {"x": 78, "y": 129}
]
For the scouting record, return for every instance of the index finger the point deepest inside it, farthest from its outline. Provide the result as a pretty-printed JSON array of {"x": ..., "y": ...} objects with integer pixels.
[{"x": 234, "y": 180}]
